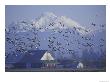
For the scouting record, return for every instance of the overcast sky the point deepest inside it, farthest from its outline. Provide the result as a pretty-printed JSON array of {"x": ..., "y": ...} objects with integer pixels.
[{"x": 82, "y": 14}]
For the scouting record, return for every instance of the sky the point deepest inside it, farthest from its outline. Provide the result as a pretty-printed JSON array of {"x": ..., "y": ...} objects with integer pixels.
[{"x": 83, "y": 14}]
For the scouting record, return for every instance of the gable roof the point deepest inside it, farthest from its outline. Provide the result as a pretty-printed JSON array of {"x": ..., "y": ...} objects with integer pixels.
[
  {"x": 47, "y": 56},
  {"x": 31, "y": 56}
]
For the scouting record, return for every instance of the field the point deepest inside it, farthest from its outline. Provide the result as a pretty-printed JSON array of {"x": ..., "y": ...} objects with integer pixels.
[{"x": 55, "y": 70}]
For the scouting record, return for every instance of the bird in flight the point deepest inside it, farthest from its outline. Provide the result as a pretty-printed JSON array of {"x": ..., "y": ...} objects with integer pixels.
[{"x": 93, "y": 24}]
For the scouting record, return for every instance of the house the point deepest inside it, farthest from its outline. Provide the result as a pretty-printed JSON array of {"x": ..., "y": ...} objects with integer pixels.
[{"x": 32, "y": 59}]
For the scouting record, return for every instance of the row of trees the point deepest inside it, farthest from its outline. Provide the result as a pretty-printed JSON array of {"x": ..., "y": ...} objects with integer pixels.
[{"x": 92, "y": 59}]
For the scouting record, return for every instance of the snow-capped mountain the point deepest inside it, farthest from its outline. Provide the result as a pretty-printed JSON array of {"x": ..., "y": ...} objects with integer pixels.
[
  {"x": 48, "y": 21},
  {"x": 61, "y": 35}
]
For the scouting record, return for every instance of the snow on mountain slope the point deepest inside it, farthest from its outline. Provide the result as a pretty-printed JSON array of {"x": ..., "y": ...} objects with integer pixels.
[{"x": 51, "y": 21}]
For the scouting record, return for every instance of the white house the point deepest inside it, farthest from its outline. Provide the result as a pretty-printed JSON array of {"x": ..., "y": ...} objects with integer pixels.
[{"x": 80, "y": 65}]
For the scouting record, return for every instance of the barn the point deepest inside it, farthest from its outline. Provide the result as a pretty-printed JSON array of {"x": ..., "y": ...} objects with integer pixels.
[{"x": 31, "y": 59}]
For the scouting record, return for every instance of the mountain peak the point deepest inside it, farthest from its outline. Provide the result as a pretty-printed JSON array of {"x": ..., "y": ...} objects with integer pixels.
[
  {"x": 49, "y": 14},
  {"x": 50, "y": 21}
]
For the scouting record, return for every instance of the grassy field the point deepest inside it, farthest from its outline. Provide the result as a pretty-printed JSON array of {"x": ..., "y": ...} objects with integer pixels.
[{"x": 55, "y": 70}]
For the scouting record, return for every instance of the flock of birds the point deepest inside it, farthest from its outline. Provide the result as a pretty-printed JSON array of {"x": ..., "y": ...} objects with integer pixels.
[{"x": 54, "y": 44}]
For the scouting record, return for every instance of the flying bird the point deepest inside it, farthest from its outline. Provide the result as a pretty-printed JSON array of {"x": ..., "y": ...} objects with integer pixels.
[
  {"x": 102, "y": 25},
  {"x": 93, "y": 24},
  {"x": 102, "y": 39},
  {"x": 23, "y": 22}
]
